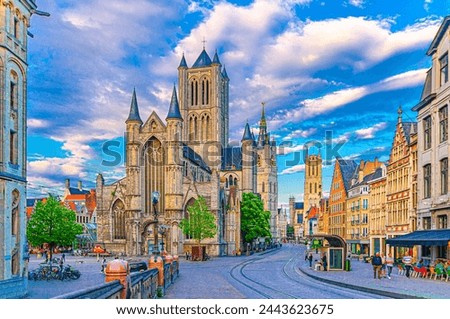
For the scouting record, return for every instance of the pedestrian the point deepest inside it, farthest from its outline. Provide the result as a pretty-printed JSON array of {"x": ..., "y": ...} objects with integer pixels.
[
  {"x": 103, "y": 265},
  {"x": 389, "y": 265},
  {"x": 407, "y": 261},
  {"x": 310, "y": 258},
  {"x": 306, "y": 255},
  {"x": 376, "y": 263},
  {"x": 324, "y": 261},
  {"x": 63, "y": 257},
  {"x": 383, "y": 265}
]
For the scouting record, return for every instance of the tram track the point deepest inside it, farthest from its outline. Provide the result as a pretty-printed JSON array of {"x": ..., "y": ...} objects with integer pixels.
[
  {"x": 295, "y": 280},
  {"x": 242, "y": 266}
]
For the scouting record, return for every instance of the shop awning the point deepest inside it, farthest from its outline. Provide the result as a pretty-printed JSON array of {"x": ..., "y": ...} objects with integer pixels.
[{"x": 435, "y": 237}]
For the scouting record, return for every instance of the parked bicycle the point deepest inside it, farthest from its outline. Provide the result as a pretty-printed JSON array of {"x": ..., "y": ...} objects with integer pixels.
[{"x": 51, "y": 271}]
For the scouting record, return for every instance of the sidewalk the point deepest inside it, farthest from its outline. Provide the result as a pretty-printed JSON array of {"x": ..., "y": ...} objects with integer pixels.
[{"x": 361, "y": 277}]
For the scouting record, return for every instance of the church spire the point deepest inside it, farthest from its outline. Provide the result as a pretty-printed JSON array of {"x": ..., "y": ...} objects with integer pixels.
[
  {"x": 183, "y": 63},
  {"x": 174, "y": 109},
  {"x": 134, "y": 110},
  {"x": 216, "y": 59},
  {"x": 247, "y": 134},
  {"x": 400, "y": 113},
  {"x": 262, "y": 138}
]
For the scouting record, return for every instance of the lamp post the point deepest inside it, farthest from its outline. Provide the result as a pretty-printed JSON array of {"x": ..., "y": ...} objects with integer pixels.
[{"x": 155, "y": 200}]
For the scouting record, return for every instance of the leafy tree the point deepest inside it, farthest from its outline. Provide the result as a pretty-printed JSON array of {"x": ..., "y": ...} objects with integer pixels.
[
  {"x": 52, "y": 223},
  {"x": 201, "y": 222},
  {"x": 255, "y": 222},
  {"x": 290, "y": 231}
]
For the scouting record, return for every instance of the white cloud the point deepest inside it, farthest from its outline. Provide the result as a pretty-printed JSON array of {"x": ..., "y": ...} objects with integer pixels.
[
  {"x": 285, "y": 149},
  {"x": 293, "y": 169},
  {"x": 357, "y": 3},
  {"x": 369, "y": 132},
  {"x": 310, "y": 108},
  {"x": 37, "y": 123},
  {"x": 300, "y": 133}
]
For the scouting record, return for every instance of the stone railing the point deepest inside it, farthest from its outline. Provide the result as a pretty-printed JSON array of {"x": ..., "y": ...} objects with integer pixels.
[
  {"x": 144, "y": 285},
  {"x": 120, "y": 284},
  {"x": 110, "y": 290}
]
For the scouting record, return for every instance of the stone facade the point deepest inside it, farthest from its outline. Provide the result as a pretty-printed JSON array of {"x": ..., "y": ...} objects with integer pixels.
[
  {"x": 401, "y": 182},
  {"x": 14, "y": 22},
  {"x": 433, "y": 211},
  {"x": 296, "y": 214},
  {"x": 183, "y": 158},
  {"x": 340, "y": 184},
  {"x": 357, "y": 207},
  {"x": 377, "y": 211}
]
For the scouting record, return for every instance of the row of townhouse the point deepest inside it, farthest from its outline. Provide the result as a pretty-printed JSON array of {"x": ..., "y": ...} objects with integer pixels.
[{"x": 403, "y": 205}]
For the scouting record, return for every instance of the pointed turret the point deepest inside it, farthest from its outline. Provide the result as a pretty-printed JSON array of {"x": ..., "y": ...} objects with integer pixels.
[
  {"x": 202, "y": 60},
  {"x": 216, "y": 59},
  {"x": 247, "y": 134},
  {"x": 262, "y": 138},
  {"x": 134, "y": 110},
  {"x": 224, "y": 73},
  {"x": 174, "y": 109},
  {"x": 399, "y": 112},
  {"x": 183, "y": 63}
]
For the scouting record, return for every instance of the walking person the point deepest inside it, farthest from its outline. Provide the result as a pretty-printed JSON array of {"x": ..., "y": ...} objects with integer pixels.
[
  {"x": 389, "y": 265},
  {"x": 376, "y": 263},
  {"x": 310, "y": 258},
  {"x": 103, "y": 265},
  {"x": 383, "y": 265},
  {"x": 407, "y": 261},
  {"x": 324, "y": 261}
]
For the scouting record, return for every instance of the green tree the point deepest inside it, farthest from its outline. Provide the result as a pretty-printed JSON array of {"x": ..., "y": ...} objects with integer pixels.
[
  {"x": 200, "y": 223},
  {"x": 290, "y": 231},
  {"x": 53, "y": 224},
  {"x": 255, "y": 221}
]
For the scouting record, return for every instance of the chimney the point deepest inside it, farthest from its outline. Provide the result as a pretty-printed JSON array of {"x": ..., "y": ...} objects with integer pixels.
[
  {"x": 80, "y": 185},
  {"x": 67, "y": 183}
]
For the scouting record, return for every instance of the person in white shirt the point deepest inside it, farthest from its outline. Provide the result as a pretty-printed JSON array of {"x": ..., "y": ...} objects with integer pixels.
[{"x": 407, "y": 261}]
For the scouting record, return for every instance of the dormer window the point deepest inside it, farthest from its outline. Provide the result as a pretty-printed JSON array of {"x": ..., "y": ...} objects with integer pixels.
[{"x": 443, "y": 62}]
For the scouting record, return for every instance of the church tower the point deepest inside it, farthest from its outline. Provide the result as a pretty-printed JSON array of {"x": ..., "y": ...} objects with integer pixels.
[
  {"x": 14, "y": 23},
  {"x": 174, "y": 173},
  {"x": 267, "y": 176},
  {"x": 203, "y": 102},
  {"x": 133, "y": 170},
  {"x": 313, "y": 182},
  {"x": 248, "y": 161}
]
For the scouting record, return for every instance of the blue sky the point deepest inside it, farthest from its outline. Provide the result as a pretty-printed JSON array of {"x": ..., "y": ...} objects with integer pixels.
[{"x": 336, "y": 66}]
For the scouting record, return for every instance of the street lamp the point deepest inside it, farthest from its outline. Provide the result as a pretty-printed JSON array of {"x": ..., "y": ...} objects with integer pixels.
[{"x": 155, "y": 200}]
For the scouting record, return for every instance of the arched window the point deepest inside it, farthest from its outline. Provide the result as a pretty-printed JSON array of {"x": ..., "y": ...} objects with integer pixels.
[
  {"x": 154, "y": 173},
  {"x": 205, "y": 92},
  {"x": 230, "y": 179},
  {"x": 118, "y": 212},
  {"x": 235, "y": 182},
  {"x": 15, "y": 216},
  {"x": 194, "y": 92}
]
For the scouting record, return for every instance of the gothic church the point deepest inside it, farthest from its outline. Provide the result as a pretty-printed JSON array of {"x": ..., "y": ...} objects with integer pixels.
[{"x": 182, "y": 158}]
